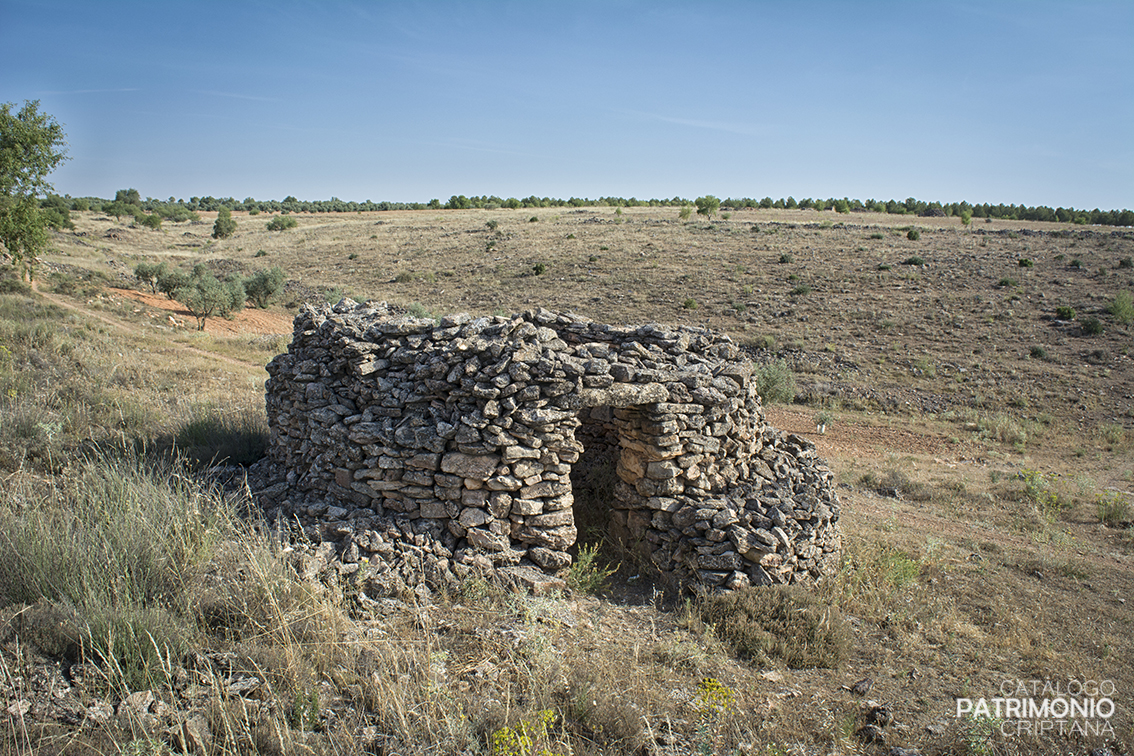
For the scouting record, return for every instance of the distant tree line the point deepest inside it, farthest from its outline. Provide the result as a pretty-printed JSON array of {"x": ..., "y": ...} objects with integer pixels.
[{"x": 151, "y": 212}]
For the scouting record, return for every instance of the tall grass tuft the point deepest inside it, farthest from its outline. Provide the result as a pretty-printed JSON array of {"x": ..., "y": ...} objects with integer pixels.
[
  {"x": 115, "y": 549},
  {"x": 237, "y": 435},
  {"x": 779, "y": 623}
]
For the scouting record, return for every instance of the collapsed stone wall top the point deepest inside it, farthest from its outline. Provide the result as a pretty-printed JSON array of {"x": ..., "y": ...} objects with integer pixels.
[{"x": 462, "y": 443}]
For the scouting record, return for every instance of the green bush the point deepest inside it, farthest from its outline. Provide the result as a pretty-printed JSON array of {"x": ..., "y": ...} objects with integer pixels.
[
  {"x": 587, "y": 574},
  {"x": 1039, "y": 353},
  {"x": 539, "y": 269},
  {"x": 263, "y": 286},
  {"x": 1024, "y": 262},
  {"x": 689, "y": 304},
  {"x": 1113, "y": 509},
  {"x": 1007, "y": 282},
  {"x": 801, "y": 289},
  {"x": 1063, "y": 312},
  {"x": 685, "y": 212},
  {"x": 913, "y": 234},
  {"x": 492, "y": 224},
  {"x": 171, "y": 280},
  {"x": 150, "y": 221},
  {"x": 1122, "y": 308},
  {"x": 282, "y": 223},
  {"x": 775, "y": 382},
  {"x": 779, "y": 623},
  {"x": 707, "y": 205},
  {"x": 225, "y": 226},
  {"x": 786, "y": 258},
  {"x": 913, "y": 261},
  {"x": 150, "y": 274},
  {"x": 1126, "y": 262},
  {"x": 1091, "y": 326}
]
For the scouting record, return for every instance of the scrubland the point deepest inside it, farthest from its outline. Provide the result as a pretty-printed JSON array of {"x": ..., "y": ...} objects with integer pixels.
[{"x": 975, "y": 391}]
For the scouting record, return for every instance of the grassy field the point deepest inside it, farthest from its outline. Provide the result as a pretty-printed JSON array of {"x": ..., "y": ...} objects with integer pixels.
[{"x": 982, "y": 437}]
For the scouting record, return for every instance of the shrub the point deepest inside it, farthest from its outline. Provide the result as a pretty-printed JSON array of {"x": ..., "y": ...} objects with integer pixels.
[
  {"x": 779, "y": 623},
  {"x": 418, "y": 310},
  {"x": 689, "y": 304},
  {"x": 913, "y": 261},
  {"x": 225, "y": 226},
  {"x": 685, "y": 212},
  {"x": 913, "y": 234},
  {"x": 1063, "y": 312},
  {"x": 1007, "y": 282},
  {"x": 883, "y": 266},
  {"x": 282, "y": 223},
  {"x": 260, "y": 253},
  {"x": 1091, "y": 326},
  {"x": 1126, "y": 262},
  {"x": 172, "y": 280},
  {"x": 1113, "y": 509},
  {"x": 1122, "y": 308},
  {"x": 263, "y": 286},
  {"x": 1075, "y": 264},
  {"x": 1038, "y": 353},
  {"x": 587, "y": 575},
  {"x": 877, "y": 235},
  {"x": 150, "y": 274},
  {"x": 154, "y": 221},
  {"x": 1025, "y": 262},
  {"x": 707, "y": 205},
  {"x": 492, "y": 224},
  {"x": 775, "y": 382},
  {"x": 533, "y": 219},
  {"x": 539, "y": 269},
  {"x": 403, "y": 277},
  {"x": 801, "y": 289},
  {"x": 786, "y": 258}
]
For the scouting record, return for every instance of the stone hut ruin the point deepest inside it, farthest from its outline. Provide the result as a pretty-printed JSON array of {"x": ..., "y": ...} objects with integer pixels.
[{"x": 438, "y": 448}]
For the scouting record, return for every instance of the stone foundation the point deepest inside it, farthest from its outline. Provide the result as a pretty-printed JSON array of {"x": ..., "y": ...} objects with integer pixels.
[{"x": 438, "y": 448}]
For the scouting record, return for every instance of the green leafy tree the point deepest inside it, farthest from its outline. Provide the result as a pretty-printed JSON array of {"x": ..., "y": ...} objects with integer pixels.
[
  {"x": 707, "y": 205},
  {"x": 170, "y": 280},
  {"x": 150, "y": 274},
  {"x": 128, "y": 197},
  {"x": 149, "y": 221},
  {"x": 225, "y": 226},
  {"x": 205, "y": 295},
  {"x": 31, "y": 146},
  {"x": 263, "y": 286}
]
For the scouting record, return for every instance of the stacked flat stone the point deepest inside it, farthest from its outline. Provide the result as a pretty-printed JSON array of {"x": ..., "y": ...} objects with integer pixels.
[{"x": 452, "y": 446}]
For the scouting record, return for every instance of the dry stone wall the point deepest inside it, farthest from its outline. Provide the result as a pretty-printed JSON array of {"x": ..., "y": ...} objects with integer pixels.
[{"x": 433, "y": 449}]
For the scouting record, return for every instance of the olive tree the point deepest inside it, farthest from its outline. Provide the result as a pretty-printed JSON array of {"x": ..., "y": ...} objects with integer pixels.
[
  {"x": 31, "y": 146},
  {"x": 707, "y": 205},
  {"x": 205, "y": 295},
  {"x": 263, "y": 286}
]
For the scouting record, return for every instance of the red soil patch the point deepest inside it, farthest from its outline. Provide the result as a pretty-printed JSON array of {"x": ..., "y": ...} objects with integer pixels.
[{"x": 247, "y": 321}]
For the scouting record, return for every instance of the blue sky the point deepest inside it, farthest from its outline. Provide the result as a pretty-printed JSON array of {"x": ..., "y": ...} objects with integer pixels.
[{"x": 986, "y": 101}]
